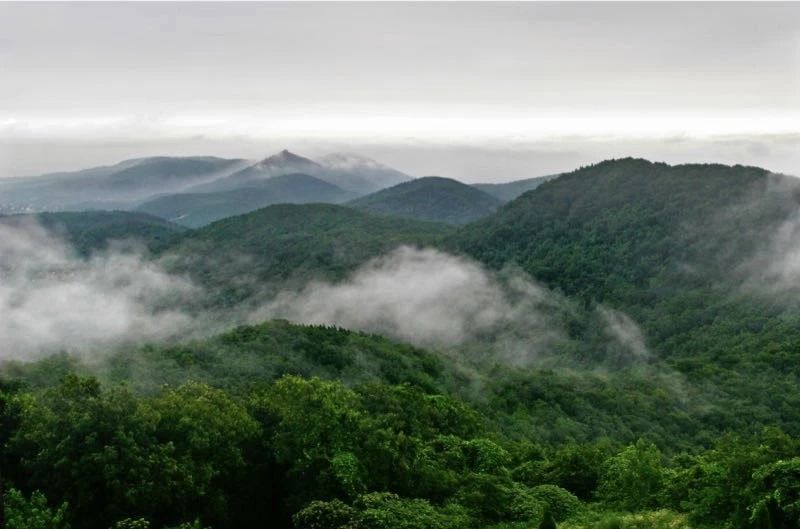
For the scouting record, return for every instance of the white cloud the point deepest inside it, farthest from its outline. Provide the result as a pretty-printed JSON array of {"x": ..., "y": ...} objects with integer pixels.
[
  {"x": 430, "y": 298},
  {"x": 52, "y": 300}
]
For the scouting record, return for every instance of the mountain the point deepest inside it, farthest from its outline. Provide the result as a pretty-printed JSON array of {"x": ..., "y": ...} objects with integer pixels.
[
  {"x": 510, "y": 190},
  {"x": 198, "y": 209},
  {"x": 701, "y": 257},
  {"x": 355, "y": 174},
  {"x": 431, "y": 198},
  {"x": 287, "y": 244},
  {"x": 620, "y": 223},
  {"x": 131, "y": 183},
  {"x": 87, "y": 231},
  {"x": 279, "y": 164},
  {"x": 117, "y": 186}
]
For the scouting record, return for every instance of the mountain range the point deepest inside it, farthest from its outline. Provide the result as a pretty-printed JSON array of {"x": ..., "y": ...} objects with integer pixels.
[
  {"x": 689, "y": 253},
  {"x": 353, "y": 173},
  {"x": 643, "y": 371},
  {"x": 194, "y": 191},
  {"x": 112, "y": 187}
]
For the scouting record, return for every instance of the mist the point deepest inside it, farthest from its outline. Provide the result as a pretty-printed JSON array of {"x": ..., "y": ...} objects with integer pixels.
[
  {"x": 622, "y": 330},
  {"x": 429, "y": 298},
  {"x": 52, "y": 300}
]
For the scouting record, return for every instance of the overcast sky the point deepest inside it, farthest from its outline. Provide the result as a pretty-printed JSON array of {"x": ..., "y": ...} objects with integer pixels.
[{"x": 475, "y": 91}]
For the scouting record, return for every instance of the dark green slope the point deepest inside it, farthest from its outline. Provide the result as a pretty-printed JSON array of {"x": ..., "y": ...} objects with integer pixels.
[
  {"x": 606, "y": 231},
  {"x": 198, "y": 209},
  {"x": 286, "y": 244},
  {"x": 92, "y": 230},
  {"x": 681, "y": 250},
  {"x": 431, "y": 198},
  {"x": 508, "y": 191},
  {"x": 676, "y": 248}
]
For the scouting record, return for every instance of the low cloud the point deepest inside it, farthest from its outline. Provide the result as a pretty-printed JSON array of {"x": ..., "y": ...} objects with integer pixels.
[
  {"x": 53, "y": 300},
  {"x": 624, "y": 332},
  {"x": 779, "y": 266},
  {"x": 772, "y": 268},
  {"x": 429, "y": 298}
]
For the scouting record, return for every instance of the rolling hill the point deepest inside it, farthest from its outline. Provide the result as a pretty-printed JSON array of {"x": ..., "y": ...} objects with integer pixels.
[
  {"x": 431, "y": 198},
  {"x": 198, "y": 209},
  {"x": 699, "y": 256},
  {"x": 287, "y": 244}
]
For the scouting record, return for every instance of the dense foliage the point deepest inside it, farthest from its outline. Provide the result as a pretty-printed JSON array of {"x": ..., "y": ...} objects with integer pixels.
[
  {"x": 699, "y": 256},
  {"x": 309, "y": 453}
]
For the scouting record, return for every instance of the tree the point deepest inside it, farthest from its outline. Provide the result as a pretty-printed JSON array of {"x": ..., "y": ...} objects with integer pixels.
[
  {"x": 208, "y": 432},
  {"x": 313, "y": 428},
  {"x": 776, "y": 495},
  {"x": 33, "y": 512},
  {"x": 633, "y": 478},
  {"x": 93, "y": 450}
]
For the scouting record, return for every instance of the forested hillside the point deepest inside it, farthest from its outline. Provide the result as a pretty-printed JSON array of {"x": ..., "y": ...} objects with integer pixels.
[
  {"x": 237, "y": 429},
  {"x": 700, "y": 256},
  {"x": 284, "y": 245}
]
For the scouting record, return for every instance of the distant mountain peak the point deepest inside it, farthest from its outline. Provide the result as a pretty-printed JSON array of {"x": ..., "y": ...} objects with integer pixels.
[{"x": 285, "y": 157}]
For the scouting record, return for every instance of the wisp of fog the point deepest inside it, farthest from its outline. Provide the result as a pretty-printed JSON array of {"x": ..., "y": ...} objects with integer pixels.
[
  {"x": 53, "y": 300},
  {"x": 426, "y": 297}
]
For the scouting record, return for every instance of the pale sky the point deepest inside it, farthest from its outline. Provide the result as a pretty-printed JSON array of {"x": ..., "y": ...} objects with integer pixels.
[{"x": 475, "y": 91}]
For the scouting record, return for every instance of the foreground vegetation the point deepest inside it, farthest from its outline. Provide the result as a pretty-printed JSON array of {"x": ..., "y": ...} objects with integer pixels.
[
  {"x": 316, "y": 454},
  {"x": 312, "y": 440}
]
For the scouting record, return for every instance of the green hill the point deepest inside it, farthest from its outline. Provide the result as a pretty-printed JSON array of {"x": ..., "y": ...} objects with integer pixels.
[
  {"x": 198, "y": 209},
  {"x": 686, "y": 251},
  {"x": 431, "y": 198},
  {"x": 286, "y": 244},
  {"x": 606, "y": 230}
]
